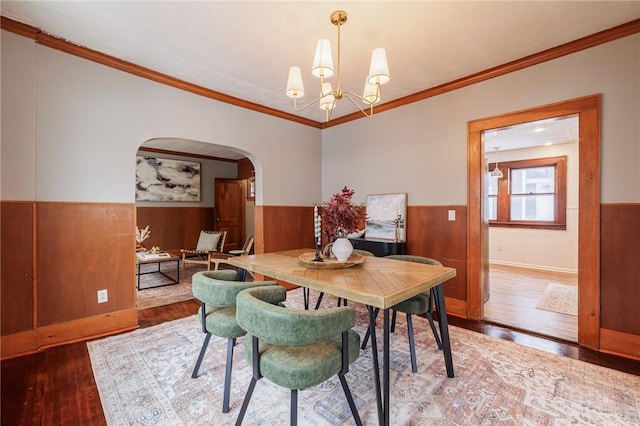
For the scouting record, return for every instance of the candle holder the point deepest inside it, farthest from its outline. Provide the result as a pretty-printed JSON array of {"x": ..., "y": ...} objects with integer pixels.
[
  {"x": 318, "y": 258},
  {"x": 397, "y": 223}
]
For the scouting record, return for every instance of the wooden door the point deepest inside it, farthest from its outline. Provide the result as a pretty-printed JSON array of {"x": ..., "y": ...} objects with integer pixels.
[{"x": 229, "y": 211}]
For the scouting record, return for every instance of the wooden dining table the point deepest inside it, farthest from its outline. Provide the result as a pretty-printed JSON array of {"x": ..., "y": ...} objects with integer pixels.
[{"x": 376, "y": 282}]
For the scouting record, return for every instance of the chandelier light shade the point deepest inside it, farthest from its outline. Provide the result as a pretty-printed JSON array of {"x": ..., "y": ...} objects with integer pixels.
[
  {"x": 327, "y": 98},
  {"x": 295, "y": 87},
  {"x": 323, "y": 60},
  {"x": 323, "y": 68},
  {"x": 379, "y": 69},
  {"x": 371, "y": 94}
]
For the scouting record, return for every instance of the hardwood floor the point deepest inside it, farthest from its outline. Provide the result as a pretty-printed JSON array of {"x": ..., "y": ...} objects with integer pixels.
[
  {"x": 56, "y": 386},
  {"x": 514, "y": 294}
]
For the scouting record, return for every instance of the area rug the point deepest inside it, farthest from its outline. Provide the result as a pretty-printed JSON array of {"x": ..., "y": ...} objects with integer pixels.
[
  {"x": 560, "y": 298},
  {"x": 144, "y": 378}
]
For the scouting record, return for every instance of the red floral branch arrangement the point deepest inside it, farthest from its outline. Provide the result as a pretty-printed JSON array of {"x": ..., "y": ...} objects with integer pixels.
[{"x": 340, "y": 216}]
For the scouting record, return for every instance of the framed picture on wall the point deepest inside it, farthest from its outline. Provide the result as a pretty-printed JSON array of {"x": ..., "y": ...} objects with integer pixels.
[
  {"x": 251, "y": 188},
  {"x": 386, "y": 217},
  {"x": 163, "y": 179}
]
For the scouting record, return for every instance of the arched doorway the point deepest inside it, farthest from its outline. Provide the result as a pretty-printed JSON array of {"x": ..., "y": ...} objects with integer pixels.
[
  {"x": 175, "y": 223},
  {"x": 588, "y": 111}
]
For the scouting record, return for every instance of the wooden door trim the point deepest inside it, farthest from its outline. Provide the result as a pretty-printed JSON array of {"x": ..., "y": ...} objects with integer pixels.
[{"x": 588, "y": 110}]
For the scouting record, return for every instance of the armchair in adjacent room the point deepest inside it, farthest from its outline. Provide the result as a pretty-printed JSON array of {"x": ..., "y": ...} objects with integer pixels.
[
  {"x": 209, "y": 243},
  {"x": 222, "y": 258}
]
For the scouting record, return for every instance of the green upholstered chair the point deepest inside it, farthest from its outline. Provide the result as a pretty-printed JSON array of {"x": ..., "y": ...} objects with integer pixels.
[
  {"x": 295, "y": 348},
  {"x": 217, "y": 291},
  {"x": 340, "y": 300},
  {"x": 421, "y": 304}
]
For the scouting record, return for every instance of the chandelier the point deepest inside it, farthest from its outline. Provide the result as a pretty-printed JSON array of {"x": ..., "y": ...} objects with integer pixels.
[
  {"x": 323, "y": 68},
  {"x": 496, "y": 172}
]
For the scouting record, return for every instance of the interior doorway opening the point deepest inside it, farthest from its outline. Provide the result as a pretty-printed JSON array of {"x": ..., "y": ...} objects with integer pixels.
[
  {"x": 176, "y": 225},
  {"x": 588, "y": 110},
  {"x": 531, "y": 203}
]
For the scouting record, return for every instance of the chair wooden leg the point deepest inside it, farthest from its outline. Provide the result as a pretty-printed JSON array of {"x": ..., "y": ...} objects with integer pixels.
[
  {"x": 293, "y": 421},
  {"x": 352, "y": 404},
  {"x": 201, "y": 356},
  {"x": 245, "y": 403},
  {"x": 412, "y": 344},
  {"x": 227, "y": 375}
]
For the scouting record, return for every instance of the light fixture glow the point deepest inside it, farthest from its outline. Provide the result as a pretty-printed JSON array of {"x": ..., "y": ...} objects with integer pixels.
[{"x": 323, "y": 68}]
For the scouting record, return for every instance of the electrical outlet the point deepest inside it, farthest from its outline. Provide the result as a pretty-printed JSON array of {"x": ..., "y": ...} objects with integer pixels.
[
  {"x": 103, "y": 296},
  {"x": 500, "y": 248},
  {"x": 452, "y": 215}
]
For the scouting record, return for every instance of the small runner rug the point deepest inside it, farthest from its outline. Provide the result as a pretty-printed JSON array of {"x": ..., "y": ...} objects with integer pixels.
[
  {"x": 560, "y": 298},
  {"x": 144, "y": 378}
]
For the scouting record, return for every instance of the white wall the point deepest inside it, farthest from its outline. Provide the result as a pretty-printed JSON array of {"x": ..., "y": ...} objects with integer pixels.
[
  {"x": 18, "y": 132},
  {"x": 541, "y": 248},
  {"x": 421, "y": 148},
  {"x": 77, "y": 125}
]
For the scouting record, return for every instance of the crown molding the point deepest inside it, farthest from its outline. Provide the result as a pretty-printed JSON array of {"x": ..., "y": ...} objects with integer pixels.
[
  {"x": 583, "y": 43},
  {"x": 185, "y": 154}
]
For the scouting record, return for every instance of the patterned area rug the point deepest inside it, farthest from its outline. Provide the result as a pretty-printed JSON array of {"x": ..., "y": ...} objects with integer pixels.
[
  {"x": 560, "y": 298},
  {"x": 144, "y": 378}
]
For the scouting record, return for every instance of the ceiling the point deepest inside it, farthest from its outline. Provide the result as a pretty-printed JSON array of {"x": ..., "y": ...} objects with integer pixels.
[{"x": 244, "y": 49}]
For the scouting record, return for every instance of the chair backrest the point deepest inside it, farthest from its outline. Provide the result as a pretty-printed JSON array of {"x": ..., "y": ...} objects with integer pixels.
[
  {"x": 248, "y": 244},
  {"x": 363, "y": 252},
  {"x": 211, "y": 241},
  {"x": 415, "y": 259},
  {"x": 220, "y": 288},
  {"x": 259, "y": 314}
]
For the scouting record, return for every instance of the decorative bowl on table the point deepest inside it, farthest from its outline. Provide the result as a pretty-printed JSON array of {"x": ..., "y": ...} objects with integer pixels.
[{"x": 308, "y": 260}]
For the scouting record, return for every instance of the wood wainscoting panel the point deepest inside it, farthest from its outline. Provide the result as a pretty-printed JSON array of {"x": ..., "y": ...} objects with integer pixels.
[
  {"x": 83, "y": 248},
  {"x": 431, "y": 234},
  {"x": 175, "y": 228},
  {"x": 620, "y": 269},
  {"x": 287, "y": 228},
  {"x": 17, "y": 266},
  {"x": 456, "y": 307}
]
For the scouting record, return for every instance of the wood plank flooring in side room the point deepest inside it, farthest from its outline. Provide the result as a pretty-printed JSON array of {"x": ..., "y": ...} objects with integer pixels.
[{"x": 514, "y": 294}]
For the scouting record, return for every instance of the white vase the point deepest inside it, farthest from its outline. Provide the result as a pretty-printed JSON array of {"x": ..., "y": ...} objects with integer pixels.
[{"x": 342, "y": 249}]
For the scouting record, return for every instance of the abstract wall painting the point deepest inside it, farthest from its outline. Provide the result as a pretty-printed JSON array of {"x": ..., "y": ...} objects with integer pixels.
[
  {"x": 386, "y": 217},
  {"x": 162, "y": 179}
]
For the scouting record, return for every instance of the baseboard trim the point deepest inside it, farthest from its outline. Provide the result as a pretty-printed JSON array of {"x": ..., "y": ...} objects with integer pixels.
[
  {"x": 32, "y": 341},
  {"x": 535, "y": 267},
  {"x": 619, "y": 343}
]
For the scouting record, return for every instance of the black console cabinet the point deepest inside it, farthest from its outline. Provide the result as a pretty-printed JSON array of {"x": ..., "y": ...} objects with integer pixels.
[{"x": 379, "y": 248}]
